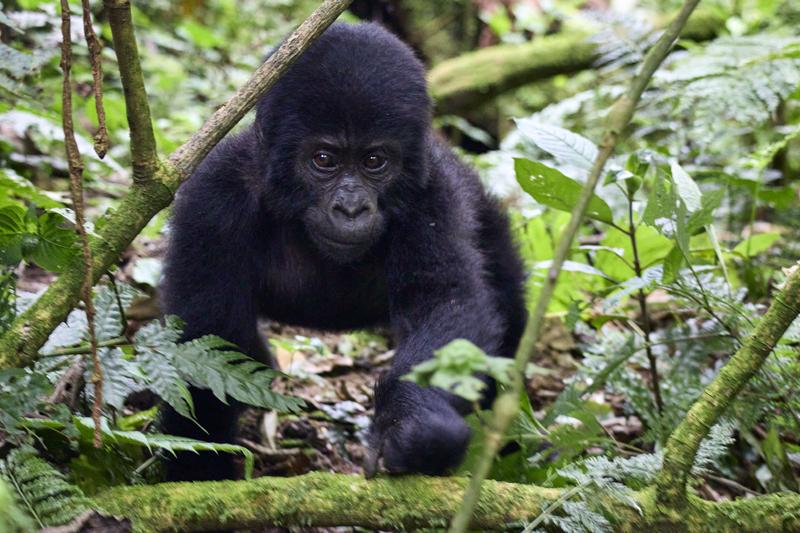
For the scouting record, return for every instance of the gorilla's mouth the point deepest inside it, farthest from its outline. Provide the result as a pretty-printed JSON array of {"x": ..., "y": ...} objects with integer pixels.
[
  {"x": 355, "y": 243},
  {"x": 358, "y": 244},
  {"x": 341, "y": 250}
]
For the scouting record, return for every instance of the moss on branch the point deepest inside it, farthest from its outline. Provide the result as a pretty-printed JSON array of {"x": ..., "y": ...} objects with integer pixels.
[
  {"x": 407, "y": 503},
  {"x": 684, "y": 442},
  {"x": 466, "y": 81}
]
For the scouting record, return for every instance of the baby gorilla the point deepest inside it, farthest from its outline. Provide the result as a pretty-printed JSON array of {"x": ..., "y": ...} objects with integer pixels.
[{"x": 340, "y": 209}]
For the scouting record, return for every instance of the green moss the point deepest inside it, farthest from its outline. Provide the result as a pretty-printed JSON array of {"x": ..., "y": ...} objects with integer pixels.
[{"x": 411, "y": 503}]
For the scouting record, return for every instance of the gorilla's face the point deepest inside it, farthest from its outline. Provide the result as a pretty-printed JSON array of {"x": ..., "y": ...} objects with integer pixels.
[
  {"x": 346, "y": 219},
  {"x": 343, "y": 139}
]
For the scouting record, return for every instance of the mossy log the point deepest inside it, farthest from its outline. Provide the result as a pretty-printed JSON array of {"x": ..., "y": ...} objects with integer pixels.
[
  {"x": 467, "y": 81},
  {"x": 410, "y": 503}
]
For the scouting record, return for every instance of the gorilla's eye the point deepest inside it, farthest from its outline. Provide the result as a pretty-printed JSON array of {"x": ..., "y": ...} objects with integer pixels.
[
  {"x": 374, "y": 162},
  {"x": 324, "y": 160}
]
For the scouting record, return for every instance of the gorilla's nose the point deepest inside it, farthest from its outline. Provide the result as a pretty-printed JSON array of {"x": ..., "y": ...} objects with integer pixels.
[{"x": 352, "y": 205}]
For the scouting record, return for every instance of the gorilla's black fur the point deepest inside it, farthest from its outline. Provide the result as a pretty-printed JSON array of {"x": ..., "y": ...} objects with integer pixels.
[{"x": 340, "y": 209}]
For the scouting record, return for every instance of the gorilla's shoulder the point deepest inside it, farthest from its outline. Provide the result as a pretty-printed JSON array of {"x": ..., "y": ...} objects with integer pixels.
[
  {"x": 230, "y": 164},
  {"x": 225, "y": 180}
]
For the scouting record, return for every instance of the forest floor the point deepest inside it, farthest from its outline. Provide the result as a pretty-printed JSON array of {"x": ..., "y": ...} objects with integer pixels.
[{"x": 334, "y": 373}]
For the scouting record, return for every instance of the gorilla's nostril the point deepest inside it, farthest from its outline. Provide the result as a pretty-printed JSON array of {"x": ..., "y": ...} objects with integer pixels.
[{"x": 351, "y": 209}]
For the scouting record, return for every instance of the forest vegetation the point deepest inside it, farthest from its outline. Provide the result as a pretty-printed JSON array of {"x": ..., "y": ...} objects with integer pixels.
[{"x": 648, "y": 156}]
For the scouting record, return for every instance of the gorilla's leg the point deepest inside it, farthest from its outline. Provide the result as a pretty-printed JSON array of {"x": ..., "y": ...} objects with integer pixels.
[{"x": 215, "y": 422}]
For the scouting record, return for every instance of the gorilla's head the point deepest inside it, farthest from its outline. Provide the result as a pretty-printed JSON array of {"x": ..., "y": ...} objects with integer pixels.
[{"x": 343, "y": 136}]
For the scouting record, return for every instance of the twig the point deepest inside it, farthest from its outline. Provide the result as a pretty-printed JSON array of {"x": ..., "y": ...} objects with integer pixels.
[
  {"x": 122, "y": 318},
  {"x": 76, "y": 189},
  {"x": 95, "y": 49},
  {"x": 507, "y": 404},
  {"x": 86, "y": 348},
  {"x": 647, "y": 327}
]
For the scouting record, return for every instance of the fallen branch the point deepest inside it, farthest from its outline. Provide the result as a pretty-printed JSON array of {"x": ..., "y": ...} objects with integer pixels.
[
  {"x": 407, "y": 503},
  {"x": 469, "y": 80}
]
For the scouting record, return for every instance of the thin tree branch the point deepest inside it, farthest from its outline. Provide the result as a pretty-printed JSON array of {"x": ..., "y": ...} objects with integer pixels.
[
  {"x": 95, "y": 58},
  {"x": 646, "y": 325},
  {"x": 507, "y": 404},
  {"x": 76, "y": 189},
  {"x": 143, "y": 142},
  {"x": 684, "y": 442}
]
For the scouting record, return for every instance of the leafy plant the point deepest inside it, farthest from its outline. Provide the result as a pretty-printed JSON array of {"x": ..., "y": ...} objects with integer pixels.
[{"x": 454, "y": 368}]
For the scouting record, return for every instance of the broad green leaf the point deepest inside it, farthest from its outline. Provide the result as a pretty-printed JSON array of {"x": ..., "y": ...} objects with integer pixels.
[
  {"x": 13, "y": 184},
  {"x": 550, "y": 187},
  {"x": 660, "y": 203},
  {"x": 687, "y": 189},
  {"x": 672, "y": 264},
  {"x": 56, "y": 246},
  {"x": 13, "y": 229},
  {"x": 704, "y": 217},
  {"x": 564, "y": 145},
  {"x": 615, "y": 263},
  {"x": 777, "y": 459},
  {"x": 199, "y": 34},
  {"x": 756, "y": 244}
]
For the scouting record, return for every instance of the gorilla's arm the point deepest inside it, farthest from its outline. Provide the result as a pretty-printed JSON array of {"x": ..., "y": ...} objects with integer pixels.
[
  {"x": 437, "y": 293},
  {"x": 209, "y": 282}
]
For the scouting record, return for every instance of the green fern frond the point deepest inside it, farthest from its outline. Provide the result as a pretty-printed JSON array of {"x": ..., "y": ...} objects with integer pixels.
[
  {"x": 168, "y": 443},
  {"x": 205, "y": 363},
  {"x": 109, "y": 322},
  {"x": 42, "y": 489},
  {"x": 231, "y": 374},
  {"x": 733, "y": 79},
  {"x": 12, "y": 519}
]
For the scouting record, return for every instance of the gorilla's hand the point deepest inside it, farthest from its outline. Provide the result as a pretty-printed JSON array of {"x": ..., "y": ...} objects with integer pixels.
[{"x": 416, "y": 430}]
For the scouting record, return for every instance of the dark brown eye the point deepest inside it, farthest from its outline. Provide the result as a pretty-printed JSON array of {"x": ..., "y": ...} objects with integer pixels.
[
  {"x": 324, "y": 160},
  {"x": 374, "y": 162}
]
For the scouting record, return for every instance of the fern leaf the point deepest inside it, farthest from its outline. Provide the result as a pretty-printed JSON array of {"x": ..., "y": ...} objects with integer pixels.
[
  {"x": 154, "y": 345},
  {"x": 121, "y": 377},
  {"x": 232, "y": 374},
  {"x": 12, "y": 519},
  {"x": 108, "y": 314},
  {"x": 733, "y": 79},
  {"x": 168, "y": 443},
  {"x": 44, "y": 491}
]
